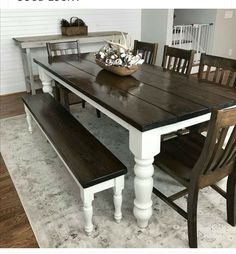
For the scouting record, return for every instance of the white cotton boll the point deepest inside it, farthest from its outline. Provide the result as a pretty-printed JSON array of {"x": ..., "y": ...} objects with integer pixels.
[
  {"x": 108, "y": 62},
  {"x": 102, "y": 55},
  {"x": 123, "y": 55},
  {"x": 118, "y": 62}
]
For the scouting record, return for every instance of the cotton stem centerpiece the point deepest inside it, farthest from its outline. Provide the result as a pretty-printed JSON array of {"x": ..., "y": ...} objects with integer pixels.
[{"x": 118, "y": 58}]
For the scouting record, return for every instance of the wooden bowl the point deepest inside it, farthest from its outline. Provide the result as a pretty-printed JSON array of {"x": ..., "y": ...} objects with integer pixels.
[{"x": 121, "y": 71}]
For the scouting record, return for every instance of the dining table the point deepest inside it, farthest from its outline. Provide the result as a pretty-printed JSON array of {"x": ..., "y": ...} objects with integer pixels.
[{"x": 149, "y": 103}]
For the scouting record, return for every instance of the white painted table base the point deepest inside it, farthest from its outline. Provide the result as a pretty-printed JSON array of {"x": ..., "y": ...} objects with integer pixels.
[{"x": 143, "y": 145}]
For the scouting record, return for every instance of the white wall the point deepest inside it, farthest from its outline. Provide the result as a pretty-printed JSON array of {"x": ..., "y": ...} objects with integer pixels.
[
  {"x": 157, "y": 27},
  {"x": 17, "y": 23},
  {"x": 194, "y": 16},
  {"x": 225, "y": 35}
]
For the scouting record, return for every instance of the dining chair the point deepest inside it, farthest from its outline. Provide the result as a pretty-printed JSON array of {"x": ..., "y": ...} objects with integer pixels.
[
  {"x": 216, "y": 70},
  {"x": 178, "y": 60},
  {"x": 147, "y": 50},
  {"x": 62, "y": 49},
  {"x": 197, "y": 162}
]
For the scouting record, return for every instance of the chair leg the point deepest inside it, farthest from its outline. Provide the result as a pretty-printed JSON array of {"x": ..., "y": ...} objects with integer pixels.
[
  {"x": 192, "y": 217},
  {"x": 57, "y": 92},
  {"x": 83, "y": 103},
  {"x": 117, "y": 198},
  {"x": 65, "y": 101},
  {"x": 231, "y": 198},
  {"x": 98, "y": 113}
]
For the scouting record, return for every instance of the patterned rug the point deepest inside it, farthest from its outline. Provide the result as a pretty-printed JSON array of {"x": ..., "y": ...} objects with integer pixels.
[{"x": 52, "y": 202}]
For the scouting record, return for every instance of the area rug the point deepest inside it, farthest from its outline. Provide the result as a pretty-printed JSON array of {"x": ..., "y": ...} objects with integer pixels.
[{"x": 52, "y": 201}]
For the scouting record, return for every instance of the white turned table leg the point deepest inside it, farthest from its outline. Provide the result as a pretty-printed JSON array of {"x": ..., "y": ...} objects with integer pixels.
[
  {"x": 117, "y": 198},
  {"x": 144, "y": 146},
  {"x": 46, "y": 81},
  {"x": 29, "y": 119},
  {"x": 87, "y": 197}
]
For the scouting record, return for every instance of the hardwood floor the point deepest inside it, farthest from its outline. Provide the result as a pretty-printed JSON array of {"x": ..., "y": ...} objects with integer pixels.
[
  {"x": 11, "y": 105},
  {"x": 15, "y": 230}
]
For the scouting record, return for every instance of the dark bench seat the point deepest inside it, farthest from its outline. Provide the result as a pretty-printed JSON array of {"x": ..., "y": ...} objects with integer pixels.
[{"x": 88, "y": 160}]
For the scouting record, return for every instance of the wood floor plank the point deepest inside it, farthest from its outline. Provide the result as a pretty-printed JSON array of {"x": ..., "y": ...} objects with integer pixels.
[{"x": 15, "y": 230}]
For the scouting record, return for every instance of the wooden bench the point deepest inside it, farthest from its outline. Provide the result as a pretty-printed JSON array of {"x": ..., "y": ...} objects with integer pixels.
[{"x": 92, "y": 165}]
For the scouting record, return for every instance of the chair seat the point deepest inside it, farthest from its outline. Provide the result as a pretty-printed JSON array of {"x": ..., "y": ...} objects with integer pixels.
[{"x": 179, "y": 155}]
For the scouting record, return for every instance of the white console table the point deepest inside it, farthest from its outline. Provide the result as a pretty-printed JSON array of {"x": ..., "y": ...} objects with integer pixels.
[{"x": 28, "y": 43}]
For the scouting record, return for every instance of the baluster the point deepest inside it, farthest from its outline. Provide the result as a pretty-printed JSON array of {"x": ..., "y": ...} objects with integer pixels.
[{"x": 180, "y": 38}]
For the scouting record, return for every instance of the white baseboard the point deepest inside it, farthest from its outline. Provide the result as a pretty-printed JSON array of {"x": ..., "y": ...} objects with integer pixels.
[{"x": 12, "y": 89}]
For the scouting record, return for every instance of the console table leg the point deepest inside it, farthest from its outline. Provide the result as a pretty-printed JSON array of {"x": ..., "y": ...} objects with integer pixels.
[{"x": 30, "y": 70}]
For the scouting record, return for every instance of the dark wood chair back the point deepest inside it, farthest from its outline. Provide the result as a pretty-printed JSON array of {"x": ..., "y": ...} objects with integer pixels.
[
  {"x": 147, "y": 50},
  {"x": 219, "y": 70},
  {"x": 215, "y": 162},
  {"x": 62, "y": 48},
  {"x": 178, "y": 60}
]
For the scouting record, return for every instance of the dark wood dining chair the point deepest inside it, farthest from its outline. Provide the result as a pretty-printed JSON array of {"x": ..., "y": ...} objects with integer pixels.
[
  {"x": 62, "y": 49},
  {"x": 197, "y": 162},
  {"x": 147, "y": 50},
  {"x": 178, "y": 60},
  {"x": 216, "y": 70}
]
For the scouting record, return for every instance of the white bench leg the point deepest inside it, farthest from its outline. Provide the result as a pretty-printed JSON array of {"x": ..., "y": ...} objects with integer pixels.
[
  {"x": 117, "y": 198},
  {"x": 87, "y": 197},
  {"x": 28, "y": 118}
]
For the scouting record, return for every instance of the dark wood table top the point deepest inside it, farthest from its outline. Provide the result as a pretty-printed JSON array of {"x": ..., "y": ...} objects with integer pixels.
[{"x": 148, "y": 99}]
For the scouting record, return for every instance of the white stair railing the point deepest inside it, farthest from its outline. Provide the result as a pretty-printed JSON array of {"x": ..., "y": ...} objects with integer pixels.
[{"x": 195, "y": 36}]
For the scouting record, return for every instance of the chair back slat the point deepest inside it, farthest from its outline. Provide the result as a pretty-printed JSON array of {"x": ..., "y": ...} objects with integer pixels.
[
  {"x": 169, "y": 63},
  {"x": 147, "y": 50},
  {"x": 62, "y": 48},
  {"x": 179, "y": 65},
  {"x": 178, "y": 60},
  {"x": 215, "y": 159},
  {"x": 217, "y": 149},
  {"x": 222, "y": 74},
  {"x": 184, "y": 66},
  {"x": 219, "y": 70},
  {"x": 216, "y": 74},
  {"x": 208, "y": 72},
  {"x": 230, "y": 149}
]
